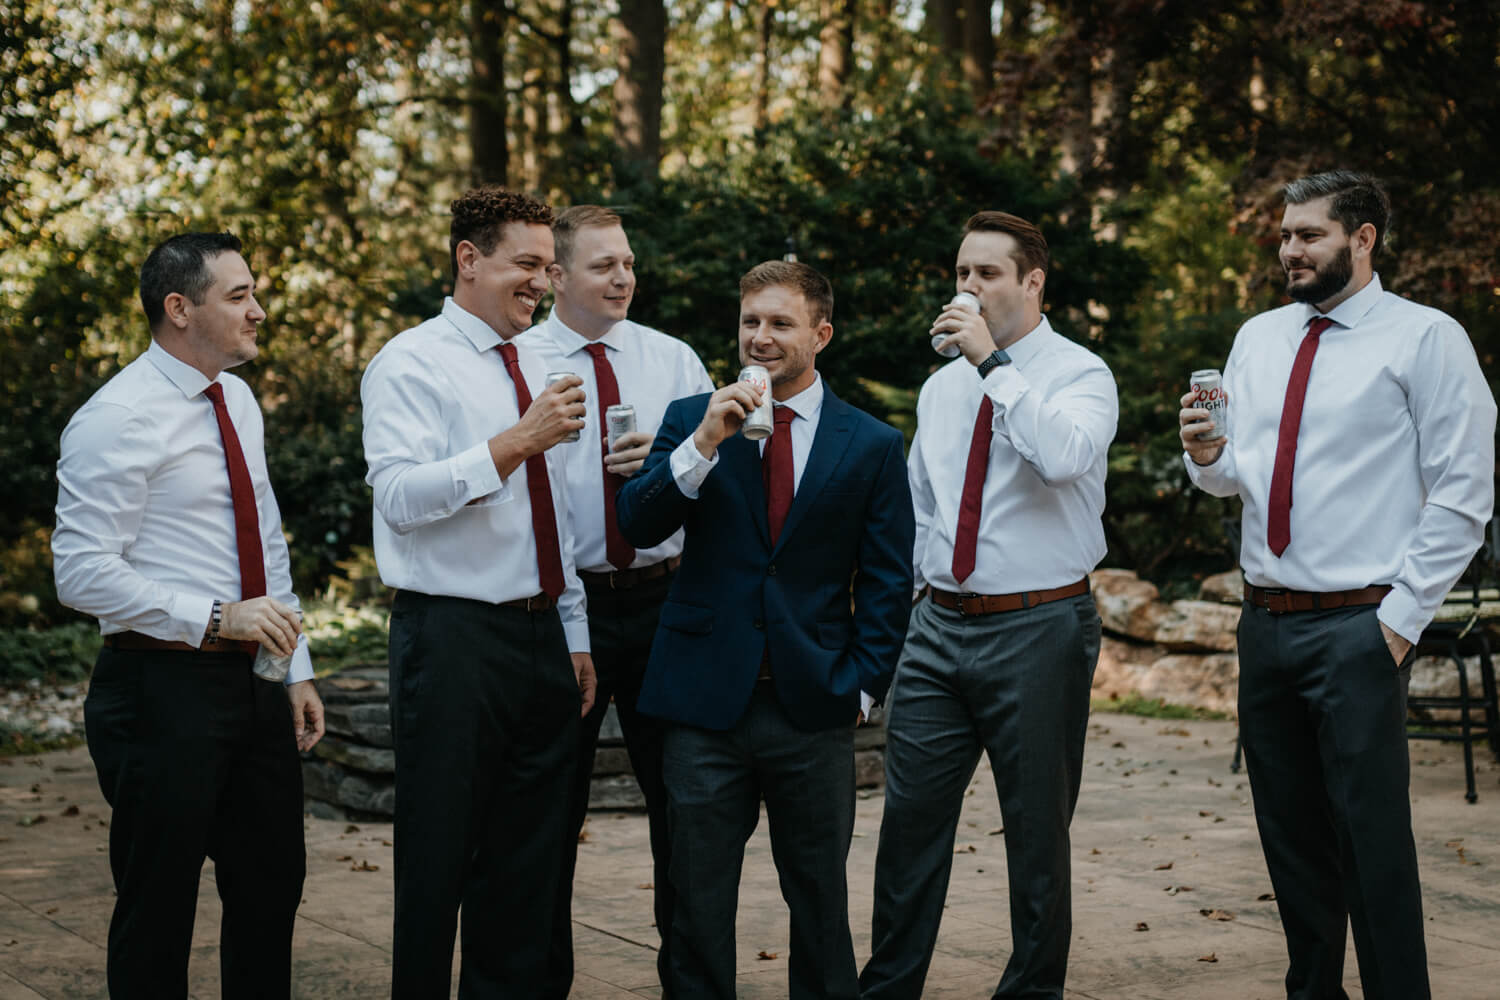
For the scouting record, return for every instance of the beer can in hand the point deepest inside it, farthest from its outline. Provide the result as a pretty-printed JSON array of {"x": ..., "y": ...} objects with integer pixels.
[
  {"x": 963, "y": 300},
  {"x": 553, "y": 377},
  {"x": 1208, "y": 393},
  {"x": 272, "y": 666},
  {"x": 761, "y": 421},
  {"x": 618, "y": 419}
]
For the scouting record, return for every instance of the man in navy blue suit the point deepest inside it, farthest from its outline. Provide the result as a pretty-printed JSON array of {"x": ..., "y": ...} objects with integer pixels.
[{"x": 785, "y": 618}]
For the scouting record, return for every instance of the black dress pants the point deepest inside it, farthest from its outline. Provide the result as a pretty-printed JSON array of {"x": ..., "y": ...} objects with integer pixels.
[
  {"x": 197, "y": 758},
  {"x": 621, "y": 626},
  {"x": 484, "y": 708},
  {"x": 1323, "y": 723}
]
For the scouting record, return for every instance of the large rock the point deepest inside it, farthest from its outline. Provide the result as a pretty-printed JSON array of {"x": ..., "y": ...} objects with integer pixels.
[
  {"x": 371, "y": 760},
  {"x": 1120, "y": 594},
  {"x": 1225, "y": 588},
  {"x": 1210, "y": 682},
  {"x": 1196, "y": 626}
]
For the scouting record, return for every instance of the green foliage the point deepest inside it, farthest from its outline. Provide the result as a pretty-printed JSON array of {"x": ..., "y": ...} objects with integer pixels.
[{"x": 61, "y": 655}]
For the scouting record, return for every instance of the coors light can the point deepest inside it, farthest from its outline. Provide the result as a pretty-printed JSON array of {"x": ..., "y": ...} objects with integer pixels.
[
  {"x": 1208, "y": 393},
  {"x": 963, "y": 300},
  {"x": 761, "y": 421},
  {"x": 618, "y": 419},
  {"x": 553, "y": 377}
]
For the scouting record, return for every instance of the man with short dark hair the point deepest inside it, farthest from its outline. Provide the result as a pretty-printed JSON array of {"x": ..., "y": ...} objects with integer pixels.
[
  {"x": 619, "y": 362},
  {"x": 1007, "y": 474},
  {"x": 490, "y": 668},
  {"x": 168, "y": 532},
  {"x": 1361, "y": 442},
  {"x": 794, "y": 582}
]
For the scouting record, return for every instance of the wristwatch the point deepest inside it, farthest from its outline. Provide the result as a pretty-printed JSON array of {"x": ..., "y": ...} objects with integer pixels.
[{"x": 992, "y": 362}]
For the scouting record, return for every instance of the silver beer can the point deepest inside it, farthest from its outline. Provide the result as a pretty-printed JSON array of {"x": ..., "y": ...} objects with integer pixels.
[
  {"x": 761, "y": 421},
  {"x": 618, "y": 419},
  {"x": 553, "y": 377},
  {"x": 963, "y": 300},
  {"x": 1208, "y": 393}
]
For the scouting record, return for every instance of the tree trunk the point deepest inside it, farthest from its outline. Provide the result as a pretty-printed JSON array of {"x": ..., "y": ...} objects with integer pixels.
[
  {"x": 641, "y": 40},
  {"x": 978, "y": 46},
  {"x": 763, "y": 70},
  {"x": 572, "y": 123},
  {"x": 489, "y": 153},
  {"x": 943, "y": 25},
  {"x": 836, "y": 53}
]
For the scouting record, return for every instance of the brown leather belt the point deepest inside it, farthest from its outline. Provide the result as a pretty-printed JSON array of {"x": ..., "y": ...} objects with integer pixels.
[
  {"x": 137, "y": 641},
  {"x": 1279, "y": 602},
  {"x": 624, "y": 579},
  {"x": 537, "y": 602},
  {"x": 989, "y": 604}
]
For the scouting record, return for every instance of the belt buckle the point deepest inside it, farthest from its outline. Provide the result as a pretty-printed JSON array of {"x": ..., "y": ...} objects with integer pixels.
[
  {"x": 1271, "y": 593},
  {"x": 532, "y": 603},
  {"x": 962, "y": 597}
]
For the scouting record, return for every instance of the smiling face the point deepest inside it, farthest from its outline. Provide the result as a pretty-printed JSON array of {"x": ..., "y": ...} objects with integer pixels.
[
  {"x": 777, "y": 331},
  {"x": 1010, "y": 301},
  {"x": 503, "y": 287},
  {"x": 1319, "y": 258},
  {"x": 595, "y": 286},
  {"x": 219, "y": 331}
]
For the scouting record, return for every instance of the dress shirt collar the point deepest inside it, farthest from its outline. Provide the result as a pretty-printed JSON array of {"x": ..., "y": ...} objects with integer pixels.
[
  {"x": 808, "y": 403},
  {"x": 189, "y": 380},
  {"x": 475, "y": 330},
  {"x": 1349, "y": 312},
  {"x": 570, "y": 341},
  {"x": 1031, "y": 344}
]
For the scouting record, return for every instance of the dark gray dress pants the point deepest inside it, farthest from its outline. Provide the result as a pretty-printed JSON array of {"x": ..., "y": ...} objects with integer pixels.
[
  {"x": 621, "y": 626},
  {"x": 1323, "y": 724},
  {"x": 1014, "y": 685},
  {"x": 484, "y": 705},
  {"x": 715, "y": 784}
]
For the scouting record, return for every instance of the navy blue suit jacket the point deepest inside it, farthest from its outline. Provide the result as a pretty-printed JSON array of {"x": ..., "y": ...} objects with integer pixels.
[{"x": 829, "y": 601}]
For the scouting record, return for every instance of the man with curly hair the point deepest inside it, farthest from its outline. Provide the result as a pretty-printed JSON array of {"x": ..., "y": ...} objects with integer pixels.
[{"x": 490, "y": 664}]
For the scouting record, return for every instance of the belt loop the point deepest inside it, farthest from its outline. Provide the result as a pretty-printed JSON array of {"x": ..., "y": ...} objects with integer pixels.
[{"x": 1025, "y": 600}]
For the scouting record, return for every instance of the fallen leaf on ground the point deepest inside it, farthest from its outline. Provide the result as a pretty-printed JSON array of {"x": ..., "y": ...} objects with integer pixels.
[
  {"x": 965, "y": 849},
  {"x": 1173, "y": 732},
  {"x": 31, "y": 820},
  {"x": 1163, "y": 867},
  {"x": 646, "y": 885},
  {"x": 364, "y": 866},
  {"x": 1205, "y": 812},
  {"x": 70, "y": 811},
  {"x": 1096, "y": 851},
  {"x": 1266, "y": 896},
  {"x": 1210, "y": 957},
  {"x": 1173, "y": 890},
  {"x": 1217, "y": 914},
  {"x": 997, "y": 831},
  {"x": 351, "y": 828},
  {"x": 344, "y": 857},
  {"x": 766, "y": 956},
  {"x": 1142, "y": 926}
]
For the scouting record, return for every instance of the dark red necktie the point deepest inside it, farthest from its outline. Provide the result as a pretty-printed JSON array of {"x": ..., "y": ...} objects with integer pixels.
[
  {"x": 1279, "y": 521},
  {"x": 966, "y": 540},
  {"x": 778, "y": 471},
  {"x": 619, "y": 552},
  {"x": 543, "y": 515},
  {"x": 242, "y": 493}
]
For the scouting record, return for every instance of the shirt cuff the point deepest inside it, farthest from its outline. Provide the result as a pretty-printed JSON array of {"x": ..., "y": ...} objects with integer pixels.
[
  {"x": 1402, "y": 615},
  {"x": 690, "y": 468},
  {"x": 301, "y": 668},
  {"x": 1005, "y": 386},
  {"x": 190, "y": 615},
  {"x": 866, "y": 702},
  {"x": 475, "y": 475},
  {"x": 577, "y": 636}
]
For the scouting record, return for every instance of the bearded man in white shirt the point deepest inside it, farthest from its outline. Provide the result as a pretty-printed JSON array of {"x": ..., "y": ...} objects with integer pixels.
[
  {"x": 168, "y": 532},
  {"x": 490, "y": 669},
  {"x": 1372, "y": 413},
  {"x": 1007, "y": 476},
  {"x": 619, "y": 362}
]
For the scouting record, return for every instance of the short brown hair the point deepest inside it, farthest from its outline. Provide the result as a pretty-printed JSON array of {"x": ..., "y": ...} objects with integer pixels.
[
  {"x": 481, "y": 214},
  {"x": 1031, "y": 246},
  {"x": 815, "y": 289},
  {"x": 570, "y": 220}
]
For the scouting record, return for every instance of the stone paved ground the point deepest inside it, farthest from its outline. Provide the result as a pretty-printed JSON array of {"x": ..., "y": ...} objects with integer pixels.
[{"x": 1163, "y": 833}]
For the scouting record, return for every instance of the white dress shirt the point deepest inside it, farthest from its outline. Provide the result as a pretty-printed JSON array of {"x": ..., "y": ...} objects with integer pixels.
[
  {"x": 690, "y": 468},
  {"x": 145, "y": 537},
  {"x": 445, "y": 522},
  {"x": 1393, "y": 480},
  {"x": 1055, "y": 410},
  {"x": 652, "y": 370}
]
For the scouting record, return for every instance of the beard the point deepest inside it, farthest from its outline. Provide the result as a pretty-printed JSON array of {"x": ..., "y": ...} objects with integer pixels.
[{"x": 1327, "y": 281}]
